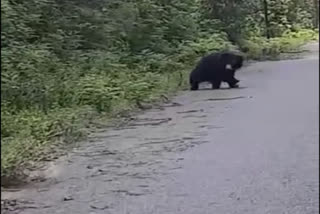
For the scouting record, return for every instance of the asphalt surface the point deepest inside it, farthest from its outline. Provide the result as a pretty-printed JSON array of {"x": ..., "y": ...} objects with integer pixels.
[{"x": 252, "y": 150}]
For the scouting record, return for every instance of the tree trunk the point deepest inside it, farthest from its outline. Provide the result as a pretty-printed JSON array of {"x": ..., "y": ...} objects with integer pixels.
[
  {"x": 266, "y": 18},
  {"x": 316, "y": 21}
]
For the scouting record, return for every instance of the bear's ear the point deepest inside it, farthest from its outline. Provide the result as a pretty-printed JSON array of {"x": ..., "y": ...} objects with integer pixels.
[{"x": 228, "y": 66}]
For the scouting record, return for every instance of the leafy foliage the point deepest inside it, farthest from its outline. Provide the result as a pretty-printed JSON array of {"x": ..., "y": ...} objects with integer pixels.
[{"x": 63, "y": 62}]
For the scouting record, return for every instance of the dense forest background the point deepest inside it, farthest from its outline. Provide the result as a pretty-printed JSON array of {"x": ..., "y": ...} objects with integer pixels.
[{"x": 65, "y": 62}]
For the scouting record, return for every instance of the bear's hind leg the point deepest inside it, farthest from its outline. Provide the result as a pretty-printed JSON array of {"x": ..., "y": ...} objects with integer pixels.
[
  {"x": 194, "y": 86},
  {"x": 215, "y": 84}
]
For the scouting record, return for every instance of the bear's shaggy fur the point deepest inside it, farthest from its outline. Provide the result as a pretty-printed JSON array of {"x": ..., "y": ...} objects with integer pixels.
[{"x": 216, "y": 68}]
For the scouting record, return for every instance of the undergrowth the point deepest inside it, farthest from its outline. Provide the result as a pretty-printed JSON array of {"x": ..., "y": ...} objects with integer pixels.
[
  {"x": 260, "y": 48},
  {"x": 26, "y": 135},
  {"x": 67, "y": 64}
]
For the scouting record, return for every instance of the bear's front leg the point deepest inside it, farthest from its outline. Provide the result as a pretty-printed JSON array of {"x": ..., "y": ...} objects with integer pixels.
[{"x": 233, "y": 83}]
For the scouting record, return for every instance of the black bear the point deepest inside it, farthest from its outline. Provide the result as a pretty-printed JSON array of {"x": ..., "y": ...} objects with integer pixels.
[{"x": 216, "y": 68}]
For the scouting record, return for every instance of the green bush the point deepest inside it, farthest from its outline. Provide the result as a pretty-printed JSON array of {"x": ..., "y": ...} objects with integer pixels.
[
  {"x": 66, "y": 63},
  {"x": 262, "y": 48}
]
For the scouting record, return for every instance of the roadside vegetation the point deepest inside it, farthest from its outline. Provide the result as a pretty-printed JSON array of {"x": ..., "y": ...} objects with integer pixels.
[{"x": 67, "y": 63}]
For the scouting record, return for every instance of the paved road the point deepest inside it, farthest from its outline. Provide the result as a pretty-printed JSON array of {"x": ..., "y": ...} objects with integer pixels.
[{"x": 251, "y": 150}]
